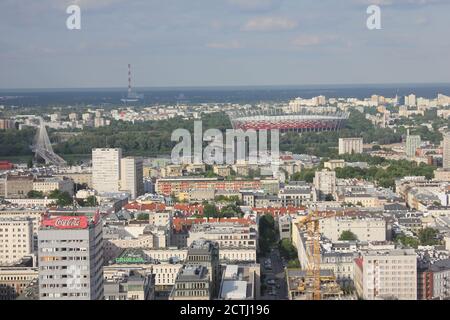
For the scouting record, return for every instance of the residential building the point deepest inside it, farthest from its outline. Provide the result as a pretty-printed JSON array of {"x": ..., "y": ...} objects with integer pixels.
[
  {"x": 106, "y": 169},
  {"x": 325, "y": 183},
  {"x": 16, "y": 239},
  {"x": 386, "y": 274},
  {"x": 350, "y": 145},
  {"x": 131, "y": 176}
]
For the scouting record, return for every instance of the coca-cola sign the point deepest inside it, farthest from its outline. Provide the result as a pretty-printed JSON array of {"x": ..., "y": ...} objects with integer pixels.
[{"x": 66, "y": 222}]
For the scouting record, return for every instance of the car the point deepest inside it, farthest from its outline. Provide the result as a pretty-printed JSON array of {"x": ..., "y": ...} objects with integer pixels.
[
  {"x": 271, "y": 282},
  {"x": 272, "y": 293}
]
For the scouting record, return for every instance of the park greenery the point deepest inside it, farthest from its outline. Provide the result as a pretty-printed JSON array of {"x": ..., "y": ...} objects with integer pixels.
[
  {"x": 347, "y": 235},
  {"x": 425, "y": 237},
  {"x": 289, "y": 252},
  {"x": 382, "y": 171},
  {"x": 231, "y": 210}
]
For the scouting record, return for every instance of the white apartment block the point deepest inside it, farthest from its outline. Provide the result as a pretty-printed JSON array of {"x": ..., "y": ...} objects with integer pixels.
[
  {"x": 131, "y": 176},
  {"x": 446, "y": 155},
  {"x": 350, "y": 145},
  {"x": 364, "y": 227},
  {"x": 390, "y": 274},
  {"x": 106, "y": 169},
  {"x": 16, "y": 239},
  {"x": 325, "y": 183}
]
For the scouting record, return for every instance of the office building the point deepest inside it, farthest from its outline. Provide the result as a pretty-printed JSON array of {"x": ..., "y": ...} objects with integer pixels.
[
  {"x": 206, "y": 253},
  {"x": 192, "y": 283},
  {"x": 71, "y": 258}
]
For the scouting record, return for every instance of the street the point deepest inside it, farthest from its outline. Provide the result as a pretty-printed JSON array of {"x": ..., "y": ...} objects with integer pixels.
[{"x": 276, "y": 274}]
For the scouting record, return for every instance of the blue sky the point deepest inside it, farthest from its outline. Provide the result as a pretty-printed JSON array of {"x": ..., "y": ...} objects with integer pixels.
[{"x": 222, "y": 42}]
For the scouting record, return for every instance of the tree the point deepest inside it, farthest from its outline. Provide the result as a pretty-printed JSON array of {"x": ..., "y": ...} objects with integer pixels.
[
  {"x": 287, "y": 250},
  {"x": 63, "y": 199},
  {"x": 267, "y": 233},
  {"x": 348, "y": 236},
  {"x": 407, "y": 241},
  {"x": 428, "y": 237},
  {"x": 90, "y": 201},
  {"x": 30, "y": 163},
  {"x": 210, "y": 210},
  {"x": 143, "y": 217},
  {"x": 35, "y": 194}
]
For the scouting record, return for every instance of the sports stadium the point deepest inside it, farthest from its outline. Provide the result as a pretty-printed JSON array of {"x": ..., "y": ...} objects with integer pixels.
[{"x": 290, "y": 122}]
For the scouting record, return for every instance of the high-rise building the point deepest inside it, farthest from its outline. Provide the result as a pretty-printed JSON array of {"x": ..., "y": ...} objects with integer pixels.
[
  {"x": 446, "y": 147},
  {"x": 7, "y": 124},
  {"x": 206, "y": 253},
  {"x": 131, "y": 173},
  {"x": 325, "y": 183},
  {"x": 70, "y": 253},
  {"x": 16, "y": 239},
  {"x": 388, "y": 274},
  {"x": 410, "y": 100},
  {"x": 106, "y": 169},
  {"x": 350, "y": 145},
  {"x": 412, "y": 143}
]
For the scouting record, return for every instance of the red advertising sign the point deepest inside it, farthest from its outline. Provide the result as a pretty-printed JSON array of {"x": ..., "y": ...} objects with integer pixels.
[{"x": 66, "y": 222}]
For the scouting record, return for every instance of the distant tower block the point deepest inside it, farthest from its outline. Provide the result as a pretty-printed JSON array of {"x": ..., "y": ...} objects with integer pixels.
[{"x": 129, "y": 79}]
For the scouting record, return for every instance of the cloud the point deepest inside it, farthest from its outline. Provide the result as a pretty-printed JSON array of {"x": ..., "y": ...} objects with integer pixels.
[
  {"x": 400, "y": 3},
  {"x": 306, "y": 41},
  {"x": 225, "y": 45},
  {"x": 269, "y": 24},
  {"x": 255, "y": 5}
]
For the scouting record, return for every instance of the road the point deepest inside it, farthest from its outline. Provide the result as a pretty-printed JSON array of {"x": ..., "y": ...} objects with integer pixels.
[{"x": 277, "y": 273}]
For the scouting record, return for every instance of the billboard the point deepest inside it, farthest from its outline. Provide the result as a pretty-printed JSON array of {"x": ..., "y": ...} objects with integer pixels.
[{"x": 66, "y": 222}]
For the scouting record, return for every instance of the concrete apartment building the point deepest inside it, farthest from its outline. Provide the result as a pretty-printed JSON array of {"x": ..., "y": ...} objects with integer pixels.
[
  {"x": 325, "y": 183},
  {"x": 131, "y": 173},
  {"x": 71, "y": 258},
  {"x": 386, "y": 274},
  {"x": 365, "y": 227},
  {"x": 446, "y": 150},
  {"x": 350, "y": 145},
  {"x": 16, "y": 239},
  {"x": 412, "y": 144},
  {"x": 169, "y": 186},
  {"x": 433, "y": 282},
  {"x": 112, "y": 173},
  {"x": 106, "y": 169}
]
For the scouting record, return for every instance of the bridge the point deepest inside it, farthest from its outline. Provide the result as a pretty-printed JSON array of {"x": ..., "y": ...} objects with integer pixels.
[{"x": 43, "y": 148}]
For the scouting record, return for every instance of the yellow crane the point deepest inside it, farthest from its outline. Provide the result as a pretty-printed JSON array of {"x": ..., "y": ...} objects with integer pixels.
[{"x": 312, "y": 224}]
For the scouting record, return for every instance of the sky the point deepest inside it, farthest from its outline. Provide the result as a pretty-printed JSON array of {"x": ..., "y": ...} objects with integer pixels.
[{"x": 222, "y": 43}]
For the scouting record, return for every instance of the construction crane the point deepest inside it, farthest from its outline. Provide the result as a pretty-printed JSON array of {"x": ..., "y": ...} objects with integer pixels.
[{"x": 312, "y": 224}]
